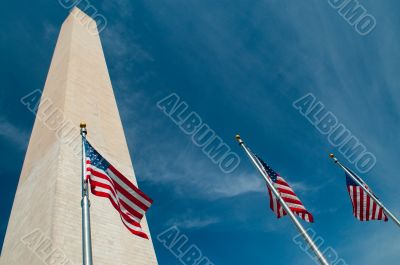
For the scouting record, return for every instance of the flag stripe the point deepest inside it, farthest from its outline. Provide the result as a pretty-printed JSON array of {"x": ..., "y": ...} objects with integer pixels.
[
  {"x": 286, "y": 193},
  {"x": 129, "y": 205},
  {"x": 128, "y": 183},
  {"x": 106, "y": 181},
  {"x": 364, "y": 207},
  {"x": 97, "y": 184}
]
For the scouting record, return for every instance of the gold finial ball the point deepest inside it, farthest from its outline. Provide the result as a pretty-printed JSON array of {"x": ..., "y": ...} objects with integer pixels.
[
  {"x": 331, "y": 155},
  {"x": 83, "y": 124},
  {"x": 237, "y": 137}
]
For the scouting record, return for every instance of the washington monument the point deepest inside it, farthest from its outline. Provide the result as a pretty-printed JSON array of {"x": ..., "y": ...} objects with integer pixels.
[{"x": 45, "y": 223}]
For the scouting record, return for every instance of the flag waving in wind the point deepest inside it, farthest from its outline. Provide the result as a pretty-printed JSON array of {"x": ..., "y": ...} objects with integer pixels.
[
  {"x": 364, "y": 207},
  {"x": 287, "y": 194},
  {"x": 108, "y": 182}
]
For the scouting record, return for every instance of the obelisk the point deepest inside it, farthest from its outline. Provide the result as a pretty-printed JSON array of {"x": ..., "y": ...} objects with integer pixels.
[{"x": 45, "y": 222}]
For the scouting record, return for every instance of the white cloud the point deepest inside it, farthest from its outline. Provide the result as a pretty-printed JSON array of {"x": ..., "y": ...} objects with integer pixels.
[
  {"x": 193, "y": 222},
  {"x": 238, "y": 184},
  {"x": 12, "y": 133}
]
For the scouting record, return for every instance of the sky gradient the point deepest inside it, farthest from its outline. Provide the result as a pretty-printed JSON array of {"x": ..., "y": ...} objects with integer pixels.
[{"x": 239, "y": 65}]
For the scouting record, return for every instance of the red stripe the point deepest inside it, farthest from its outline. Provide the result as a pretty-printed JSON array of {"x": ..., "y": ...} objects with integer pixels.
[
  {"x": 117, "y": 207},
  {"x": 361, "y": 204},
  {"x": 106, "y": 195},
  {"x": 374, "y": 210},
  {"x": 113, "y": 187},
  {"x": 279, "y": 209},
  {"x": 271, "y": 203},
  {"x": 141, "y": 234},
  {"x": 130, "y": 196},
  {"x": 130, "y": 220},
  {"x": 102, "y": 185},
  {"x": 127, "y": 182},
  {"x": 130, "y": 209},
  {"x": 290, "y": 200},
  {"x": 352, "y": 203},
  {"x": 121, "y": 190},
  {"x": 380, "y": 214},
  {"x": 286, "y": 191},
  {"x": 302, "y": 214},
  {"x": 355, "y": 201},
  {"x": 282, "y": 182},
  {"x": 368, "y": 206}
]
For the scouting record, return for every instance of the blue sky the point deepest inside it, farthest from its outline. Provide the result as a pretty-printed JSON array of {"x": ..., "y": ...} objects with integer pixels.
[{"x": 239, "y": 65}]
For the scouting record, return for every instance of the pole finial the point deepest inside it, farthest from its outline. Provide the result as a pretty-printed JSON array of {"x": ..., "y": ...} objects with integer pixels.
[
  {"x": 83, "y": 128},
  {"x": 333, "y": 157},
  {"x": 239, "y": 139}
]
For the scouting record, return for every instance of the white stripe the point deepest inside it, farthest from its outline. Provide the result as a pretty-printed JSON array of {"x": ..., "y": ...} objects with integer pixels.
[
  {"x": 377, "y": 212},
  {"x": 371, "y": 205},
  {"x": 351, "y": 196},
  {"x": 122, "y": 208},
  {"x": 122, "y": 184},
  {"x": 307, "y": 217},
  {"x": 283, "y": 187},
  {"x": 290, "y": 196},
  {"x": 297, "y": 206},
  {"x": 128, "y": 189},
  {"x": 365, "y": 206},
  {"x": 275, "y": 204},
  {"x": 115, "y": 199},
  {"x": 281, "y": 211},
  {"x": 133, "y": 227},
  {"x": 122, "y": 197}
]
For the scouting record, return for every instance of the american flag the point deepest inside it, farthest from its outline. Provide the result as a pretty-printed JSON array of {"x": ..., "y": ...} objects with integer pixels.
[
  {"x": 108, "y": 182},
  {"x": 364, "y": 207},
  {"x": 287, "y": 194}
]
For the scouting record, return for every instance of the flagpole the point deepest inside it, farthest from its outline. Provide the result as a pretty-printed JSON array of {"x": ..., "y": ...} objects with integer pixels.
[
  {"x": 298, "y": 225},
  {"x": 373, "y": 197},
  {"x": 85, "y": 204}
]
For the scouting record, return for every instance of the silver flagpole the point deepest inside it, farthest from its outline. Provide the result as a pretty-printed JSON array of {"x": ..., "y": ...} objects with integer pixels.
[
  {"x": 301, "y": 229},
  {"x": 85, "y": 203},
  {"x": 357, "y": 180}
]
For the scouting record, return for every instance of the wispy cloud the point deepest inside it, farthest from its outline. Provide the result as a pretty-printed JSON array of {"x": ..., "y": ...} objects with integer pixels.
[
  {"x": 50, "y": 31},
  {"x": 385, "y": 249},
  {"x": 193, "y": 222},
  {"x": 122, "y": 7},
  {"x": 12, "y": 133},
  {"x": 192, "y": 175},
  {"x": 236, "y": 185}
]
